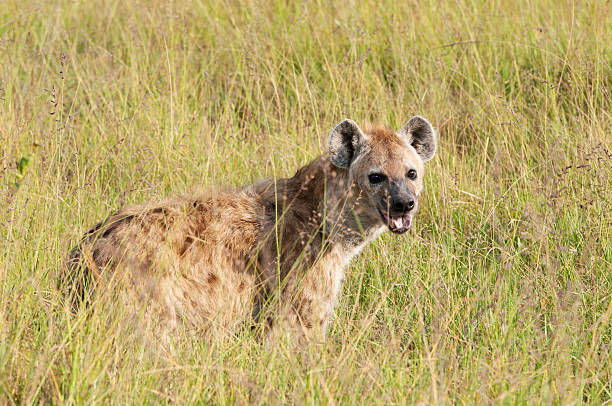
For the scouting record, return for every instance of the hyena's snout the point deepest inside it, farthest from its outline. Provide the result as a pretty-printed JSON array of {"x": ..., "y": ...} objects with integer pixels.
[
  {"x": 398, "y": 206},
  {"x": 402, "y": 204}
]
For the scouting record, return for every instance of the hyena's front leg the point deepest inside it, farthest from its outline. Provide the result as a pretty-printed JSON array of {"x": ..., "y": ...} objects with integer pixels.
[
  {"x": 309, "y": 317},
  {"x": 298, "y": 322},
  {"x": 309, "y": 306}
]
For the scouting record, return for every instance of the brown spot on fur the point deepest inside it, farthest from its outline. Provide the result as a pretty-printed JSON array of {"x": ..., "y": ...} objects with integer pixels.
[
  {"x": 95, "y": 228},
  {"x": 212, "y": 279},
  {"x": 158, "y": 210},
  {"x": 186, "y": 244}
]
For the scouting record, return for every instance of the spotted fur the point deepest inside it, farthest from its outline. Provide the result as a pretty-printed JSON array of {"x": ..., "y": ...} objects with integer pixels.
[{"x": 271, "y": 254}]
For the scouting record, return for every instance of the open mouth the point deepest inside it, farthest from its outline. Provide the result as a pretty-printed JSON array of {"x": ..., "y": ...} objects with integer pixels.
[{"x": 397, "y": 224}]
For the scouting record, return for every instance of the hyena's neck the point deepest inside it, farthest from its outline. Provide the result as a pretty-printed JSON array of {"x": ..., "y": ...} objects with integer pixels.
[
  {"x": 330, "y": 203},
  {"x": 313, "y": 218},
  {"x": 346, "y": 219}
]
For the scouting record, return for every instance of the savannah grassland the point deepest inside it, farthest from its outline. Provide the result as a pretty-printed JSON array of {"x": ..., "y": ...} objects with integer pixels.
[{"x": 501, "y": 292}]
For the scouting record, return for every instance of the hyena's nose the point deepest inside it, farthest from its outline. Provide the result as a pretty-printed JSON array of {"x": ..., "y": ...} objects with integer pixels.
[
  {"x": 402, "y": 206},
  {"x": 410, "y": 204}
]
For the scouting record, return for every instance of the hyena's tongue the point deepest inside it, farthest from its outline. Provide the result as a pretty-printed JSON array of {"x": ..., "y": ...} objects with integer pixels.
[{"x": 397, "y": 222}]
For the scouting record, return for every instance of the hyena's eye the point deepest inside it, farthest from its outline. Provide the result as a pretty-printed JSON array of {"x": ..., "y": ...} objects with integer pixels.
[
  {"x": 375, "y": 178},
  {"x": 412, "y": 174}
]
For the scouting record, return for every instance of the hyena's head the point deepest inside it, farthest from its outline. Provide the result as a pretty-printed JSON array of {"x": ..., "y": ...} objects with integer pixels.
[{"x": 387, "y": 167}]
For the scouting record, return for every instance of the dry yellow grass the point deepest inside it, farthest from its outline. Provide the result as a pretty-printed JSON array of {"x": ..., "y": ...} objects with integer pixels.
[{"x": 502, "y": 291}]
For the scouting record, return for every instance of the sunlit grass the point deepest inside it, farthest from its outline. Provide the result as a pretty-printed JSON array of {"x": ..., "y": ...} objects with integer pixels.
[{"x": 500, "y": 293}]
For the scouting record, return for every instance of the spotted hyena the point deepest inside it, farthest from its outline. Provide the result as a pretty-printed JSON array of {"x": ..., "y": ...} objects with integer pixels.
[{"x": 270, "y": 254}]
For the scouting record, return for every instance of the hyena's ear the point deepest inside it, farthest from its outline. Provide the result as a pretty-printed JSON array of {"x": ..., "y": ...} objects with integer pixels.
[
  {"x": 345, "y": 140},
  {"x": 421, "y": 135}
]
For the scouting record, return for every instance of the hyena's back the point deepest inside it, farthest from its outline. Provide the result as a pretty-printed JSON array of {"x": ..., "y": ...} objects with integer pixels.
[{"x": 188, "y": 256}]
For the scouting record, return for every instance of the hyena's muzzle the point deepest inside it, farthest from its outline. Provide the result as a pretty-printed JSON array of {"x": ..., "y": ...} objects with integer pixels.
[{"x": 398, "y": 205}]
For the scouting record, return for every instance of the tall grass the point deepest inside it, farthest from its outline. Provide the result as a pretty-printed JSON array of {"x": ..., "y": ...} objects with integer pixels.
[{"x": 501, "y": 293}]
